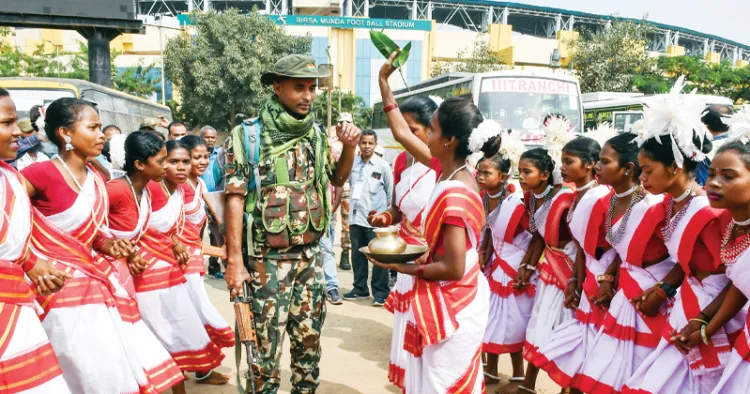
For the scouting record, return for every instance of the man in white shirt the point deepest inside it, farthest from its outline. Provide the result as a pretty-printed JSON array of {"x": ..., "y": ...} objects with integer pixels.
[{"x": 371, "y": 183}]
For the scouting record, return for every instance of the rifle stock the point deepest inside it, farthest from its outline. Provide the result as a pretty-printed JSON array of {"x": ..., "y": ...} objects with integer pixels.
[{"x": 246, "y": 333}]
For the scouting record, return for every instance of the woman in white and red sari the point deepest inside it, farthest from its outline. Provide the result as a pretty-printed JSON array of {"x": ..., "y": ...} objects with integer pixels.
[
  {"x": 505, "y": 240},
  {"x": 547, "y": 207},
  {"x": 82, "y": 321},
  {"x": 633, "y": 222},
  {"x": 564, "y": 354},
  {"x": 448, "y": 314},
  {"x": 141, "y": 155},
  {"x": 414, "y": 183},
  {"x": 693, "y": 237},
  {"x": 728, "y": 187},
  {"x": 162, "y": 292},
  {"x": 195, "y": 214},
  {"x": 27, "y": 361}
]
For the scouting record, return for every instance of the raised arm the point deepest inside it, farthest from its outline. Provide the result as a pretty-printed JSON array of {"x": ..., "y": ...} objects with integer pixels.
[{"x": 396, "y": 121}]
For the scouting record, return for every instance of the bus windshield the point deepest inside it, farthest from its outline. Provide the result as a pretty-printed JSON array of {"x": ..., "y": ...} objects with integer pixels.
[
  {"x": 25, "y": 98},
  {"x": 521, "y": 103}
]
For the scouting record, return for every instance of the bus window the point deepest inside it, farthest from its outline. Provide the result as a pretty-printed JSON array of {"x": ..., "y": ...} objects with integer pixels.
[
  {"x": 27, "y": 98},
  {"x": 521, "y": 103},
  {"x": 623, "y": 121}
]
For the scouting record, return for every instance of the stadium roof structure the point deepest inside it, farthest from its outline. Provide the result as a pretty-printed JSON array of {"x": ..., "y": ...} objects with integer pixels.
[{"x": 474, "y": 15}]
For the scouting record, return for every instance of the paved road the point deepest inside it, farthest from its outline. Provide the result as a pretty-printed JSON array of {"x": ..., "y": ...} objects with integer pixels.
[{"x": 356, "y": 342}]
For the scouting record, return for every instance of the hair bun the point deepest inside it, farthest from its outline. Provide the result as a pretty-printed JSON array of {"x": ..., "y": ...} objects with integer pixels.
[{"x": 492, "y": 146}]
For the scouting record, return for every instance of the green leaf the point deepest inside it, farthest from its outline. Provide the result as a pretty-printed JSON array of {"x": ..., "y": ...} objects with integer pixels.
[
  {"x": 383, "y": 43},
  {"x": 401, "y": 58}
]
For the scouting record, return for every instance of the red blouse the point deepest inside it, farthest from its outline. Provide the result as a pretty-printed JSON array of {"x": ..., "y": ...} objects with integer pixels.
[
  {"x": 399, "y": 165},
  {"x": 123, "y": 212},
  {"x": 53, "y": 194},
  {"x": 159, "y": 197}
]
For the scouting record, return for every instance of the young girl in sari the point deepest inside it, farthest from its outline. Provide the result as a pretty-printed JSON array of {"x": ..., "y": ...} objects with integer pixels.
[
  {"x": 633, "y": 223},
  {"x": 81, "y": 320},
  {"x": 692, "y": 234},
  {"x": 195, "y": 213},
  {"x": 414, "y": 183},
  {"x": 504, "y": 244},
  {"x": 563, "y": 355},
  {"x": 27, "y": 361},
  {"x": 728, "y": 187},
  {"x": 162, "y": 292},
  {"x": 142, "y": 157},
  {"x": 448, "y": 314}
]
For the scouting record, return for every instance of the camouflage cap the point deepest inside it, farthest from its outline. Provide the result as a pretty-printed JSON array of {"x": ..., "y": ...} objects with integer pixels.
[
  {"x": 294, "y": 66},
  {"x": 25, "y": 125}
]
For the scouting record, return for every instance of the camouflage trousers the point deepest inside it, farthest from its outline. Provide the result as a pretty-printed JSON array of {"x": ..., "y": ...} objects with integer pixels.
[
  {"x": 346, "y": 243},
  {"x": 289, "y": 298}
]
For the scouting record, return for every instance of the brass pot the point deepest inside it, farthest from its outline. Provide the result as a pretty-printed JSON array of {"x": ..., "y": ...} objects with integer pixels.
[{"x": 387, "y": 241}]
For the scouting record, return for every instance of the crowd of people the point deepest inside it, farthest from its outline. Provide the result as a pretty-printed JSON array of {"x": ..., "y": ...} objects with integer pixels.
[{"x": 618, "y": 267}]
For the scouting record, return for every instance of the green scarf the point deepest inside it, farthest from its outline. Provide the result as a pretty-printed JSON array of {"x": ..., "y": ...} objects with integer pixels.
[{"x": 279, "y": 126}]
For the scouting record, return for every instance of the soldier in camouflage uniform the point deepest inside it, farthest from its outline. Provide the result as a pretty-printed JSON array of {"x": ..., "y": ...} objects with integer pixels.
[{"x": 284, "y": 221}]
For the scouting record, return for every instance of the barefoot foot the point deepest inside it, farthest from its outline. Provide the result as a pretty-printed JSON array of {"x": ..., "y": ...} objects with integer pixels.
[
  {"x": 213, "y": 378},
  {"x": 508, "y": 388}
]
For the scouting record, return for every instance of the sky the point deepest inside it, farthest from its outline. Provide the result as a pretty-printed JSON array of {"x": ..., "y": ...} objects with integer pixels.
[{"x": 723, "y": 18}]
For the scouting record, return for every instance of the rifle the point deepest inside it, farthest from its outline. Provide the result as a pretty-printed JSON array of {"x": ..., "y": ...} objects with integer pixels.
[{"x": 246, "y": 335}]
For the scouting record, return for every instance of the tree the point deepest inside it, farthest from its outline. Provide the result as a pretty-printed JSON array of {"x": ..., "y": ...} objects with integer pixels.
[
  {"x": 350, "y": 103},
  {"x": 139, "y": 81},
  {"x": 479, "y": 59},
  {"x": 609, "y": 59},
  {"x": 716, "y": 79},
  {"x": 218, "y": 69}
]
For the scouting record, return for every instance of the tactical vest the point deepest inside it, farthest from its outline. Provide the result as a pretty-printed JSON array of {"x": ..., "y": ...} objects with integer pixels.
[{"x": 292, "y": 213}]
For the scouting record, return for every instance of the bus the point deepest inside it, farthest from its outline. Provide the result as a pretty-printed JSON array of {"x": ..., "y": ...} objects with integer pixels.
[
  {"x": 518, "y": 100},
  {"x": 117, "y": 108},
  {"x": 622, "y": 110}
]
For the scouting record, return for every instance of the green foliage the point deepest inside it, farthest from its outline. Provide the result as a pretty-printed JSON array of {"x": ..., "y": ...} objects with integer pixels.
[
  {"x": 478, "y": 59},
  {"x": 138, "y": 81},
  {"x": 386, "y": 47},
  {"x": 609, "y": 59},
  {"x": 716, "y": 79},
  {"x": 350, "y": 103},
  {"x": 217, "y": 70}
]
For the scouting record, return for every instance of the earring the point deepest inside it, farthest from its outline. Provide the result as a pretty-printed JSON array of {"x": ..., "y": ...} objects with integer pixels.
[
  {"x": 446, "y": 144},
  {"x": 674, "y": 172},
  {"x": 627, "y": 172},
  {"x": 68, "y": 145}
]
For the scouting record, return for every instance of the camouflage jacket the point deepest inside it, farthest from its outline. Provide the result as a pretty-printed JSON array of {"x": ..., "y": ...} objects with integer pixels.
[{"x": 300, "y": 159}]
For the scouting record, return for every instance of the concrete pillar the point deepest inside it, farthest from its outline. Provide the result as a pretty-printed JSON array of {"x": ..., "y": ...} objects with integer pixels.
[
  {"x": 713, "y": 57},
  {"x": 741, "y": 63},
  {"x": 100, "y": 63},
  {"x": 564, "y": 38},
  {"x": 501, "y": 41}
]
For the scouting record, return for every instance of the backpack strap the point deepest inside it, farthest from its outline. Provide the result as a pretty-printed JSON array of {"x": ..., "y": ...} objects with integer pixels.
[{"x": 252, "y": 152}]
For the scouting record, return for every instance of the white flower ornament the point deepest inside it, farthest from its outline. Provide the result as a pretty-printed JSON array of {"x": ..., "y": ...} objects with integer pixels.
[
  {"x": 677, "y": 115},
  {"x": 117, "y": 151},
  {"x": 739, "y": 126},
  {"x": 486, "y": 130}
]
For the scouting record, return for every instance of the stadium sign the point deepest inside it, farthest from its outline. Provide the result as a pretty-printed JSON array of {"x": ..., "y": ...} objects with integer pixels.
[{"x": 351, "y": 23}]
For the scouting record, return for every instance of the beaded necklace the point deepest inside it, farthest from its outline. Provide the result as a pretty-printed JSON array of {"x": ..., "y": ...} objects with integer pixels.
[
  {"x": 543, "y": 210},
  {"x": 672, "y": 222},
  {"x": 730, "y": 254},
  {"x": 492, "y": 216},
  {"x": 582, "y": 190},
  {"x": 615, "y": 237}
]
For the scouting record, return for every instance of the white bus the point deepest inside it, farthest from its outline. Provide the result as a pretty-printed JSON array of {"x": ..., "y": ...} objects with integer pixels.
[
  {"x": 622, "y": 110},
  {"x": 118, "y": 108},
  {"x": 519, "y": 100}
]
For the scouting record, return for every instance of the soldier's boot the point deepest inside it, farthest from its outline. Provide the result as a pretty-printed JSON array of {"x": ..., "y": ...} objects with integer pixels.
[{"x": 344, "y": 263}]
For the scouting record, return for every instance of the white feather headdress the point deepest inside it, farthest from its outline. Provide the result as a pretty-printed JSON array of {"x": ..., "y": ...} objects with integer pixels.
[
  {"x": 117, "y": 151},
  {"x": 739, "y": 126},
  {"x": 677, "y": 115},
  {"x": 602, "y": 133},
  {"x": 486, "y": 130},
  {"x": 436, "y": 99},
  {"x": 557, "y": 133},
  {"x": 511, "y": 148}
]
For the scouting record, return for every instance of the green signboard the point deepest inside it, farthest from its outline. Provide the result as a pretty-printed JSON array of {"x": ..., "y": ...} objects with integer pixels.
[
  {"x": 351, "y": 23},
  {"x": 339, "y": 22}
]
